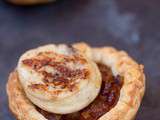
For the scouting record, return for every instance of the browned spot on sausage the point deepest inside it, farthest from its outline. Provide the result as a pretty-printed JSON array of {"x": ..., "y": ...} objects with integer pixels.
[
  {"x": 38, "y": 87},
  {"x": 64, "y": 76},
  {"x": 35, "y": 63}
]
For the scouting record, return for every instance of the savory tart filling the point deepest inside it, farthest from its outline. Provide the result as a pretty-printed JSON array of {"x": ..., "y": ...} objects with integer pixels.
[{"x": 106, "y": 100}]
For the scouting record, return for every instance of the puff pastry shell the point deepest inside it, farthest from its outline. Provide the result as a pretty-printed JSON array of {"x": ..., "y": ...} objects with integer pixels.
[{"x": 131, "y": 92}]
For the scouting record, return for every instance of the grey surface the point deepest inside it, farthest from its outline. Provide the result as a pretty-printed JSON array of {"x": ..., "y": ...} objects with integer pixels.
[{"x": 129, "y": 25}]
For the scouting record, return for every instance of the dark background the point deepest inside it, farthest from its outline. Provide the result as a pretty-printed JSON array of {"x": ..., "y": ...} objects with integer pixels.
[{"x": 133, "y": 26}]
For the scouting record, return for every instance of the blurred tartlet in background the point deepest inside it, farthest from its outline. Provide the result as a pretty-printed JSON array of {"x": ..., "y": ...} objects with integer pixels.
[{"x": 30, "y": 2}]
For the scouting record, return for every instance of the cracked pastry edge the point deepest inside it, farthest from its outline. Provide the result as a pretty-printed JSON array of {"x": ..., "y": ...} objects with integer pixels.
[{"x": 131, "y": 92}]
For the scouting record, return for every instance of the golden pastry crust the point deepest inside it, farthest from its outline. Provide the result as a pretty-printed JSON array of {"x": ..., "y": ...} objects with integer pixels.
[
  {"x": 131, "y": 92},
  {"x": 19, "y": 104}
]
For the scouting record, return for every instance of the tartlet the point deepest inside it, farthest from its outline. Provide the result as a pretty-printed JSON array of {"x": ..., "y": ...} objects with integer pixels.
[
  {"x": 122, "y": 89},
  {"x": 30, "y": 2}
]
